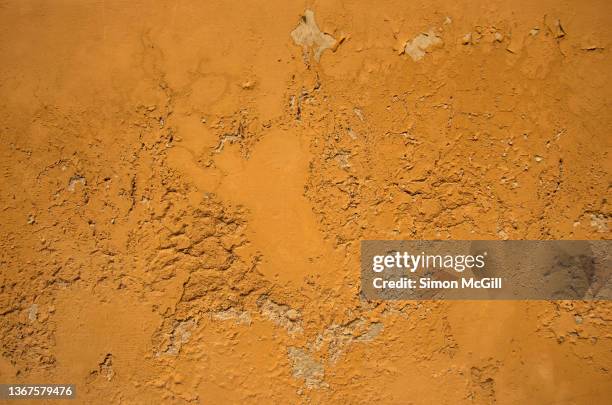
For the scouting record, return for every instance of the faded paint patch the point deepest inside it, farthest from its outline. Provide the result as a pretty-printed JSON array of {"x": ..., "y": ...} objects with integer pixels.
[
  {"x": 419, "y": 45},
  {"x": 305, "y": 367},
  {"x": 308, "y": 35}
]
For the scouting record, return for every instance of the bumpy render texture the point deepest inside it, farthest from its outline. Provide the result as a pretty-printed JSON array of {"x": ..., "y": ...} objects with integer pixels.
[{"x": 185, "y": 184}]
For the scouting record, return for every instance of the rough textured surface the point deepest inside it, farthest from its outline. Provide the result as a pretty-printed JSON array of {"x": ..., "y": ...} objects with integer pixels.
[{"x": 182, "y": 197}]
